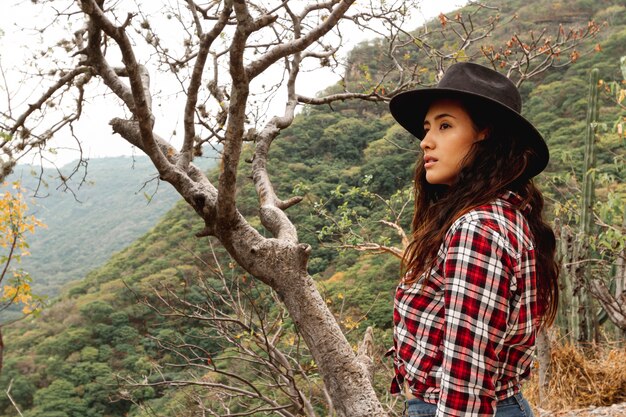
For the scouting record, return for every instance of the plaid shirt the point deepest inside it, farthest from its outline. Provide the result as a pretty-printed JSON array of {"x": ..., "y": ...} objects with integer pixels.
[{"x": 465, "y": 339}]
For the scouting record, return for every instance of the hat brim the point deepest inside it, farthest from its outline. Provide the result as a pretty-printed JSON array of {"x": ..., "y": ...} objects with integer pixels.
[{"x": 410, "y": 108}]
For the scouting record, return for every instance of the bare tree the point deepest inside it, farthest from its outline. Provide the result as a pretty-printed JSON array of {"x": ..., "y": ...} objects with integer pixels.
[
  {"x": 257, "y": 362},
  {"x": 229, "y": 47}
]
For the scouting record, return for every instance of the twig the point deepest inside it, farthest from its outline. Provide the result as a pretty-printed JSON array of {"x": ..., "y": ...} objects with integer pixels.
[{"x": 8, "y": 391}]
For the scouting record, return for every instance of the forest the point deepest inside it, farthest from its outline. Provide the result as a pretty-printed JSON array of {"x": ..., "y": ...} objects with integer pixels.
[{"x": 171, "y": 325}]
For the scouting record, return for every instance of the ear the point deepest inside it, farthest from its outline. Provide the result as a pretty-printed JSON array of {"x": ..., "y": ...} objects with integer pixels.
[{"x": 483, "y": 134}]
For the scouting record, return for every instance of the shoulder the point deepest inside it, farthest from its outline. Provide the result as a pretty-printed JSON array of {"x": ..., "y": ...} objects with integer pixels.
[{"x": 498, "y": 220}]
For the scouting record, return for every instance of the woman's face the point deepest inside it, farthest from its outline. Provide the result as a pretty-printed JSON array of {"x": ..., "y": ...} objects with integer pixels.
[{"x": 448, "y": 136}]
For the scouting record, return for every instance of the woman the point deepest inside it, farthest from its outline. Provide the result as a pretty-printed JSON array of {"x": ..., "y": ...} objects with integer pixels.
[{"x": 481, "y": 277}]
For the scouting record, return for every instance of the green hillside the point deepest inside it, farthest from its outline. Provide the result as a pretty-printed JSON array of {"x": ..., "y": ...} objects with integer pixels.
[
  {"x": 89, "y": 218},
  {"x": 82, "y": 356}
]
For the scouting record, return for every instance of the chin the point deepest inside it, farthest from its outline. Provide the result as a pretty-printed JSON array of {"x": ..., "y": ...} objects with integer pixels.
[{"x": 437, "y": 181}]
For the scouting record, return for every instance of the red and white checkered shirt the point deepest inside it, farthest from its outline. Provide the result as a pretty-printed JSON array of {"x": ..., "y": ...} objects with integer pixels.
[{"x": 466, "y": 338}]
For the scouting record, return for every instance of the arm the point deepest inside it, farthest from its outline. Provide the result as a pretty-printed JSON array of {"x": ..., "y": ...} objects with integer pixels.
[{"x": 477, "y": 272}]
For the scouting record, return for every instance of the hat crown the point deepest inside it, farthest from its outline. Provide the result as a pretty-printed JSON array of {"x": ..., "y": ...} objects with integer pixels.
[{"x": 482, "y": 81}]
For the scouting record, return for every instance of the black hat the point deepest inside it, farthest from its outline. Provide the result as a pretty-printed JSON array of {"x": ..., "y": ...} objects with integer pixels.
[{"x": 472, "y": 80}]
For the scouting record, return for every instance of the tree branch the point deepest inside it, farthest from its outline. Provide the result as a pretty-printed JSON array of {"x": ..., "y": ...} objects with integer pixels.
[
  {"x": 206, "y": 40},
  {"x": 196, "y": 19},
  {"x": 271, "y": 212},
  {"x": 137, "y": 78},
  {"x": 298, "y": 45},
  {"x": 194, "y": 187},
  {"x": 374, "y": 97},
  {"x": 8, "y": 392},
  {"x": 365, "y": 353},
  {"x": 236, "y": 118},
  {"x": 400, "y": 231},
  {"x": 376, "y": 248},
  {"x": 64, "y": 80},
  {"x": 95, "y": 58},
  {"x": 616, "y": 308}
]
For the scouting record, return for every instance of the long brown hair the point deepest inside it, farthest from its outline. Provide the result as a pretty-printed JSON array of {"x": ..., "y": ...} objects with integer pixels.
[{"x": 492, "y": 166}]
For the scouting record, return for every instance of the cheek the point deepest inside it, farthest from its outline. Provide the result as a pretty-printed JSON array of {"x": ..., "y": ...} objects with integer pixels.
[
  {"x": 460, "y": 158},
  {"x": 459, "y": 151},
  {"x": 465, "y": 147}
]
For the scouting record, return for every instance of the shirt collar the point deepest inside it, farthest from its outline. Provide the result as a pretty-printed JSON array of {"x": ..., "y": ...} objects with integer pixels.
[{"x": 516, "y": 201}]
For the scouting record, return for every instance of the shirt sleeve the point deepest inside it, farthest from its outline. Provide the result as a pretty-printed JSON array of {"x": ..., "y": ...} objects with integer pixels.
[{"x": 477, "y": 274}]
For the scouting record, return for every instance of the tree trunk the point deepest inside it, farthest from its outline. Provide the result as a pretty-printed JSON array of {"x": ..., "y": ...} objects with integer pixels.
[
  {"x": 345, "y": 377},
  {"x": 283, "y": 266}
]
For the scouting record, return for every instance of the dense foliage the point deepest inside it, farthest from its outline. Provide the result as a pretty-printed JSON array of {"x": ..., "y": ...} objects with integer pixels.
[{"x": 349, "y": 161}]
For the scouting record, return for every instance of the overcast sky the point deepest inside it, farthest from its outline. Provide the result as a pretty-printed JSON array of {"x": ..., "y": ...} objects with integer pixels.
[{"x": 93, "y": 128}]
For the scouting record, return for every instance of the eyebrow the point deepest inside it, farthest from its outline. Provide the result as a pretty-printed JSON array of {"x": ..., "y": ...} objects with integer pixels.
[{"x": 440, "y": 116}]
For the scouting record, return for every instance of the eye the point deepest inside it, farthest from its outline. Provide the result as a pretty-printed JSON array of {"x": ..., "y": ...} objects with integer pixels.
[{"x": 443, "y": 126}]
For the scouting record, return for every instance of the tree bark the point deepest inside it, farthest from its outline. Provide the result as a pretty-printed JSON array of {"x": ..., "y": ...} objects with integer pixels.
[{"x": 283, "y": 267}]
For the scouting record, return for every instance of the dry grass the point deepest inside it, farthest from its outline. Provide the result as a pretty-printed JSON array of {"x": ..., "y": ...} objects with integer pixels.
[{"x": 593, "y": 377}]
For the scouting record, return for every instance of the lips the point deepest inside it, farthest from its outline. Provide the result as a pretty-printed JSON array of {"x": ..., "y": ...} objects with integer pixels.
[{"x": 429, "y": 161}]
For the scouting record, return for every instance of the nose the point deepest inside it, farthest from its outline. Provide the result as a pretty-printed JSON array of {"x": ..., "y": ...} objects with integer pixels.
[{"x": 427, "y": 142}]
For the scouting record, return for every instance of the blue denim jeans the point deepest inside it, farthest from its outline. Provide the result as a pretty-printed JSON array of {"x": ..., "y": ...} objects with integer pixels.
[{"x": 515, "y": 406}]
